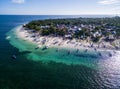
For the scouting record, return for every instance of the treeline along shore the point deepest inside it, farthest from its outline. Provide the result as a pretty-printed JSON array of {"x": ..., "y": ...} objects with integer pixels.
[{"x": 79, "y": 33}]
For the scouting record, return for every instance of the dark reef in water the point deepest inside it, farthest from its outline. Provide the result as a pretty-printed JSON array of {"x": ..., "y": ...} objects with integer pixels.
[
  {"x": 86, "y": 55},
  {"x": 25, "y": 52},
  {"x": 27, "y": 74}
]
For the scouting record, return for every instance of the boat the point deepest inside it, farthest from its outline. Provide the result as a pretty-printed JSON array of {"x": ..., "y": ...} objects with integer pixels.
[
  {"x": 86, "y": 50},
  {"x": 8, "y": 37},
  {"x": 77, "y": 50},
  {"x": 14, "y": 57},
  {"x": 44, "y": 48},
  {"x": 56, "y": 50},
  {"x": 68, "y": 53},
  {"x": 37, "y": 48},
  {"x": 95, "y": 49},
  {"x": 110, "y": 55},
  {"x": 99, "y": 54}
]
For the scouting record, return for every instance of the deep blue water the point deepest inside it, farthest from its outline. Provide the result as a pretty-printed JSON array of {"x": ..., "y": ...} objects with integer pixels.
[
  {"x": 7, "y": 22},
  {"x": 27, "y": 74}
]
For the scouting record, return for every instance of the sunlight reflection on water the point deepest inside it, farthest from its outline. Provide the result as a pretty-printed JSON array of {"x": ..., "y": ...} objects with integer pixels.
[{"x": 110, "y": 70}]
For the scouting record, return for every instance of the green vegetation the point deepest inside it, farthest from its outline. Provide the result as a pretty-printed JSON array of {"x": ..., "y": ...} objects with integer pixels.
[{"x": 81, "y": 28}]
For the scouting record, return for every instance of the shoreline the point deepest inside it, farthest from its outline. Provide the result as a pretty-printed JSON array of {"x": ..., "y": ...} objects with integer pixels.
[{"x": 59, "y": 42}]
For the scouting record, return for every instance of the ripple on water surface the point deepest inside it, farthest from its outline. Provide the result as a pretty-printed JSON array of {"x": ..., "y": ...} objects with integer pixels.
[
  {"x": 67, "y": 56},
  {"x": 107, "y": 68}
]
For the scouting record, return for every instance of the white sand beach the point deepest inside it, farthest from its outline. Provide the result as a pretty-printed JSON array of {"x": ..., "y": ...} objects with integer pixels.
[{"x": 50, "y": 41}]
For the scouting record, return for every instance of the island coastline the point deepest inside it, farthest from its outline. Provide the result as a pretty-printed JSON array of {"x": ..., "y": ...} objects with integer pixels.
[{"x": 59, "y": 42}]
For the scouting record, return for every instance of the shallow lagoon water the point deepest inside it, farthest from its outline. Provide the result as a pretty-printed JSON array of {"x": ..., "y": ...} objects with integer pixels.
[
  {"x": 81, "y": 57},
  {"x": 37, "y": 69}
]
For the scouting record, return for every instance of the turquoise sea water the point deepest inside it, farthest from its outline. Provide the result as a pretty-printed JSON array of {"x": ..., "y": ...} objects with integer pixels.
[
  {"x": 58, "y": 55},
  {"x": 51, "y": 69}
]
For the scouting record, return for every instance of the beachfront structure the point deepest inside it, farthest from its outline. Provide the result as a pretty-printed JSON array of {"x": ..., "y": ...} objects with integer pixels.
[
  {"x": 45, "y": 26},
  {"x": 83, "y": 28},
  {"x": 68, "y": 36}
]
